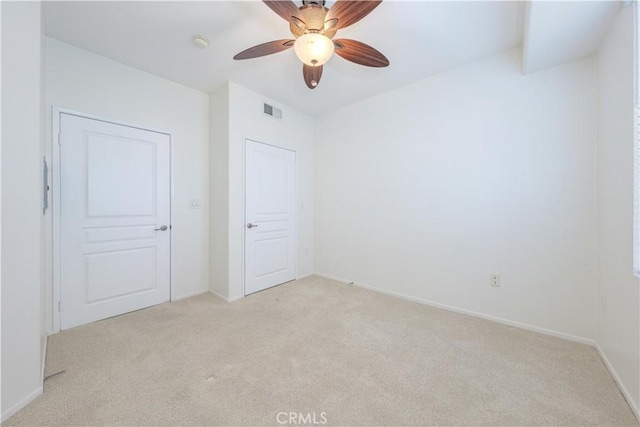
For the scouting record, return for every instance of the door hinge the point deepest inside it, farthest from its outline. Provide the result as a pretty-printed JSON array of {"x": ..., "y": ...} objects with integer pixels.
[
  {"x": 58, "y": 139},
  {"x": 60, "y": 306}
]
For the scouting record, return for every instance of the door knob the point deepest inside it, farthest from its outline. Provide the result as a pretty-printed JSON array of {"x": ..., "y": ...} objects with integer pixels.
[
  {"x": 163, "y": 228},
  {"x": 251, "y": 225}
]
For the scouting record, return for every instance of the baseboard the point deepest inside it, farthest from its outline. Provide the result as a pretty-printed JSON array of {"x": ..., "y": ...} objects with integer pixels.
[
  {"x": 189, "y": 295},
  {"x": 621, "y": 386},
  {"x": 45, "y": 341},
  {"x": 232, "y": 299},
  {"x": 238, "y": 298},
  {"x": 24, "y": 402},
  {"x": 219, "y": 296},
  {"x": 496, "y": 319}
]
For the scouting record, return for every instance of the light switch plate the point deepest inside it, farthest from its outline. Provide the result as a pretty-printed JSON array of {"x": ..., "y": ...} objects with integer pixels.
[{"x": 195, "y": 203}]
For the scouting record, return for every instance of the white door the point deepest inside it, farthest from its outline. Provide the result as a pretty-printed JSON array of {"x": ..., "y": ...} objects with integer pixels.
[
  {"x": 114, "y": 219},
  {"x": 270, "y": 227}
]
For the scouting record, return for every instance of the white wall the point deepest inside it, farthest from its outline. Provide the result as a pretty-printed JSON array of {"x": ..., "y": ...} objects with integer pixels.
[
  {"x": 44, "y": 219},
  {"x": 219, "y": 188},
  {"x": 21, "y": 205},
  {"x": 294, "y": 132},
  {"x": 618, "y": 321},
  {"x": 91, "y": 84},
  {"x": 425, "y": 190}
]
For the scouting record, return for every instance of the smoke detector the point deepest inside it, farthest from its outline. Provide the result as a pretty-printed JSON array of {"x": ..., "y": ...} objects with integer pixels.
[{"x": 200, "y": 42}]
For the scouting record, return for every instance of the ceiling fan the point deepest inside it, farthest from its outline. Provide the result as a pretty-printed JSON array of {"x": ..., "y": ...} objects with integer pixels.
[{"x": 314, "y": 27}]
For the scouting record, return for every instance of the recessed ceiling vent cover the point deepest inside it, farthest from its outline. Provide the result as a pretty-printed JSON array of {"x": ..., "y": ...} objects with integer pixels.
[{"x": 272, "y": 111}]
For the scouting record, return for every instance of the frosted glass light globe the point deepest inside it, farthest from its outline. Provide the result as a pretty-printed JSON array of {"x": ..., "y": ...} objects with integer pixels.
[{"x": 313, "y": 48}]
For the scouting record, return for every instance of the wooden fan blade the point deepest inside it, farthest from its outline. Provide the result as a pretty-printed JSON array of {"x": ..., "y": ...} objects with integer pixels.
[
  {"x": 348, "y": 12},
  {"x": 360, "y": 53},
  {"x": 312, "y": 75},
  {"x": 285, "y": 8},
  {"x": 265, "y": 49}
]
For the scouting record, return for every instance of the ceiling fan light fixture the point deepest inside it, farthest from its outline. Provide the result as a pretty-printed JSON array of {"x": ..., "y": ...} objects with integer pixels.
[
  {"x": 313, "y": 48},
  {"x": 313, "y": 26}
]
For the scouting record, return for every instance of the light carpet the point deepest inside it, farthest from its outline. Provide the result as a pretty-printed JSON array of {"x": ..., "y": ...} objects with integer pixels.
[{"x": 318, "y": 347}]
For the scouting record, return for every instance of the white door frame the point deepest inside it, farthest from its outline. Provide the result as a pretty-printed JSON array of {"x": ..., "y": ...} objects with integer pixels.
[
  {"x": 56, "y": 118},
  {"x": 244, "y": 208}
]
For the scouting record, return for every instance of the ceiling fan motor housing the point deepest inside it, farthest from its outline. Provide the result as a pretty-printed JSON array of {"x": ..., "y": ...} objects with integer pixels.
[
  {"x": 316, "y": 2},
  {"x": 314, "y": 20}
]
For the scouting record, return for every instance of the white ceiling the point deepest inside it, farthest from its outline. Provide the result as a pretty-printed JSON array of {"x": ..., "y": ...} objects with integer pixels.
[
  {"x": 420, "y": 38},
  {"x": 562, "y": 31}
]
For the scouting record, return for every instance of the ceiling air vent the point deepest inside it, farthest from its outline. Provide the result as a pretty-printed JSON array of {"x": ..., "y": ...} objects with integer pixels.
[{"x": 272, "y": 111}]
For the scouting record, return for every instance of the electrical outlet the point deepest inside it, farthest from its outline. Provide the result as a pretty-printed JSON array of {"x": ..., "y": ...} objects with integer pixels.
[{"x": 494, "y": 280}]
